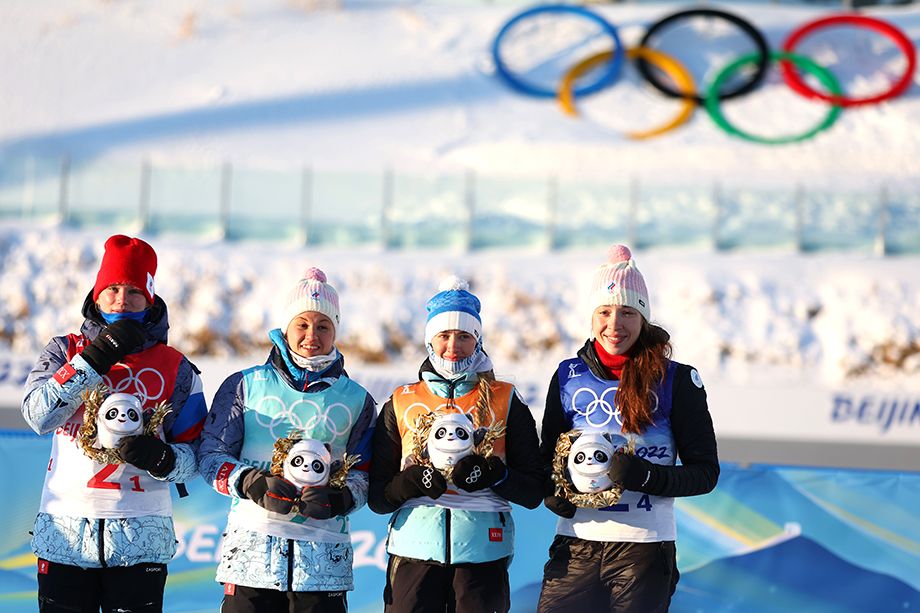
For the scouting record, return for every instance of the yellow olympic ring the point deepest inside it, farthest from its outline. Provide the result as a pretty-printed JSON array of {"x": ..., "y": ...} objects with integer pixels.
[{"x": 671, "y": 67}]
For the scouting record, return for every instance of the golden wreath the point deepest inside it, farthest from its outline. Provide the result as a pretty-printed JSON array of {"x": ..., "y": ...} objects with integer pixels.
[
  {"x": 564, "y": 488},
  {"x": 283, "y": 448},
  {"x": 86, "y": 435},
  {"x": 423, "y": 429}
]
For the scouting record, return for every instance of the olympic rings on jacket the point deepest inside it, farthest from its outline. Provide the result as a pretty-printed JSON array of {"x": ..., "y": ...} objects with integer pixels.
[
  {"x": 904, "y": 44},
  {"x": 674, "y": 69},
  {"x": 762, "y": 62},
  {"x": 791, "y": 64},
  {"x": 825, "y": 76},
  {"x": 608, "y": 75}
]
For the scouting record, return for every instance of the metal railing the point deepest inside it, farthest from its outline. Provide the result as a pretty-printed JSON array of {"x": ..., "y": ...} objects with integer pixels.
[{"x": 462, "y": 211}]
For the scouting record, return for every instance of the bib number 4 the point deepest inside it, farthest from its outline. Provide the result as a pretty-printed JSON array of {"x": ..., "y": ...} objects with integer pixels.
[{"x": 100, "y": 480}]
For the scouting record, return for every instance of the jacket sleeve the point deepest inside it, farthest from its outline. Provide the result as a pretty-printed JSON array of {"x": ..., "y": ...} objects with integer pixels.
[
  {"x": 387, "y": 454},
  {"x": 222, "y": 438},
  {"x": 359, "y": 444},
  {"x": 184, "y": 423},
  {"x": 524, "y": 483},
  {"x": 695, "y": 439},
  {"x": 54, "y": 388},
  {"x": 554, "y": 423}
]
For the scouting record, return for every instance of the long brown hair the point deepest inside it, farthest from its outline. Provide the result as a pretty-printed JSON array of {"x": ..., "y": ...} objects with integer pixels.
[{"x": 641, "y": 376}]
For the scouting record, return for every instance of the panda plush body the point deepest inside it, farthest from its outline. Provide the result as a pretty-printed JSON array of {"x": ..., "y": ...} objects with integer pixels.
[
  {"x": 308, "y": 463},
  {"x": 450, "y": 439},
  {"x": 589, "y": 461},
  {"x": 119, "y": 416}
]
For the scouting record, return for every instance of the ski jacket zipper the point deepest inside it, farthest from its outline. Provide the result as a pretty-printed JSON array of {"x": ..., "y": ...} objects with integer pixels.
[{"x": 100, "y": 543}]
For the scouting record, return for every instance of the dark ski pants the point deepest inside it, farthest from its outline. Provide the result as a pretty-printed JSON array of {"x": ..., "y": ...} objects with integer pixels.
[
  {"x": 130, "y": 589},
  {"x": 414, "y": 586},
  {"x": 587, "y": 576},
  {"x": 245, "y": 599}
]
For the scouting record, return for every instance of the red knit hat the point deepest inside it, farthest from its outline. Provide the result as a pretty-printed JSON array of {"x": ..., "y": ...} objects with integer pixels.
[{"x": 127, "y": 261}]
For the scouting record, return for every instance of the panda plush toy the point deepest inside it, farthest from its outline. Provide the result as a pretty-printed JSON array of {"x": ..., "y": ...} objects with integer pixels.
[
  {"x": 450, "y": 438},
  {"x": 308, "y": 463},
  {"x": 589, "y": 461},
  {"x": 119, "y": 416}
]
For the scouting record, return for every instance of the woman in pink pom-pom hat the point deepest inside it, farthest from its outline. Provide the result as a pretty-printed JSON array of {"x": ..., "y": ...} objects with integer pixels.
[
  {"x": 624, "y": 386},
  {"x": 287, "y": 547}
]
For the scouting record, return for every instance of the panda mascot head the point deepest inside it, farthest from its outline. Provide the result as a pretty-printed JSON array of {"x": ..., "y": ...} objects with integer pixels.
[
  {"x": 589, "y": 460},
  {"x": 308, "y": 463},
  {"x": 120, "y": 415},
  {"x": 450, "y": 438}
]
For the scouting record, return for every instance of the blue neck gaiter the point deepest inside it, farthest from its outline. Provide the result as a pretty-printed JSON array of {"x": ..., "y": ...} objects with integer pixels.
[{"x": 138, "y": 316}]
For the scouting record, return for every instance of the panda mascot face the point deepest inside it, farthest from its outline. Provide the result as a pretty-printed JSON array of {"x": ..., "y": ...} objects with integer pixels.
[
  {"x": 589, "y": 460},
  {"x": 307, "y": 463},
  {"x": 450, "y": 438},
  {"x": 120, "y": 415}
]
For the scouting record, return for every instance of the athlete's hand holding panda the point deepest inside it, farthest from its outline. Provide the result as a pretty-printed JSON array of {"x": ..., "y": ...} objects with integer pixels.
[
  {"x": 474, "y": 472},
  {"x": 148, "y": 453},
  {"x": 414, "y": 481}
]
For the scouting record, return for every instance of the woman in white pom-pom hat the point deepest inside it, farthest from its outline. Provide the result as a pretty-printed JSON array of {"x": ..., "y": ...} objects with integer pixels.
[
  {"x": 623, "y": 384},
  {"x": 450, "y": 542},
  {"x": 287, "y": 548}
]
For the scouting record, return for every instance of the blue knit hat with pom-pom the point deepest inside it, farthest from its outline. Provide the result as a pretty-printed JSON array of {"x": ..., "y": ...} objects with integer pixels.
[{"x": 453, "y": 308}]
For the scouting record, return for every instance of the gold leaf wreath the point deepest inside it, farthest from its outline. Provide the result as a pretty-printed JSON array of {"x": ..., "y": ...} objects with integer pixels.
[
  {"x": 283, "y": 448},
  {"x": 565, "y": 489},
  {"x": 87, "y": 434},
  {"x": 423, "y": 429}
]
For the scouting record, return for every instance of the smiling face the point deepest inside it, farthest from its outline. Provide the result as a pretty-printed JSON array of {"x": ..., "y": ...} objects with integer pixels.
[
  {"x": 307, "y": 464},
  {"x": 617, "y": 328},
  {"x": 453, "y": 345},
  {"x": 450, "y": 438},
  {"x": 121, "y": 299},
  {"x": 120, "y": 415},
  {"x": 310, "y": 334},
  {"x": 589, "y": 461}
]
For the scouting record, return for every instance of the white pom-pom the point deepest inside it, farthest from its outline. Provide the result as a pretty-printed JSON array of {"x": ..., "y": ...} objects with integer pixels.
[
  {"x": 453, "y": 282},
  {"x": 618, "y": 253}
]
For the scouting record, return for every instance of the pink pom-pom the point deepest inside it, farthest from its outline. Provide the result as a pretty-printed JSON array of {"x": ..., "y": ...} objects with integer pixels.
[
  {"x": 315, "y": 273},
  {"x": 618, "y": 253}
]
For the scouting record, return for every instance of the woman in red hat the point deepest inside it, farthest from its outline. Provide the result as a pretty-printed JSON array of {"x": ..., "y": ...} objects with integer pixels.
[{"x": 104, "y": 532}]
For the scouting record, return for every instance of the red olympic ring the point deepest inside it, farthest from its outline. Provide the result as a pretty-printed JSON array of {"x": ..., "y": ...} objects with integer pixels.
[{"x": 795, "y": 82}]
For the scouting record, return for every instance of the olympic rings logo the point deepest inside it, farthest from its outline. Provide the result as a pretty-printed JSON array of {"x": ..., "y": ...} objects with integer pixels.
[
  {"x": 307, "y": 416},
  {"x": 606, "y": 67},
  {"x": 417, "y": 409},
  {"x": 598, "y": 403},
  {"x": 141, "y": 384}
]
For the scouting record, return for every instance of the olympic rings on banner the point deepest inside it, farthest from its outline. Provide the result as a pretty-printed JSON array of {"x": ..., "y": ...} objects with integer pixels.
[
  {"x": 762, "y": 63},
  {"x": 674, "y": 69},
  {"x": 793, "y": 80},
  {"x": 611, "y": 69},
  {"x": 791, "y": 64},
  {"x": 823, "y": 75}
]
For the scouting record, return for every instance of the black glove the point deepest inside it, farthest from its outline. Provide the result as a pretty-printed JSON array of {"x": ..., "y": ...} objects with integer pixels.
[
  {"x": 268, "y": 491},
  {"x": 148, "y": 453},
  {"x": 415, "y": 481},
  {"x": 474, "y": 472},
  {"x": 324, "y": 502},
  {"x": 630, "y": 471},
  {"x": 557, "y": 504},
  {"x": 113, "y": 343}
]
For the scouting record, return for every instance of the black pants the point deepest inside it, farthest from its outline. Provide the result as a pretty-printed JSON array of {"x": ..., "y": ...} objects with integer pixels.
[
  {"x": 588, "y": 576},
  {"x": 131, "y": 589},
  {"x": 414, "y": 586},
  {"x": 258, "y": 600}
]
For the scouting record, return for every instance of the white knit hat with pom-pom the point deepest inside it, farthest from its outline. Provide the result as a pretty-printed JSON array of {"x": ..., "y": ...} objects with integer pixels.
[
  {"x": 312, "y": 293},
  {"x": 453, "y": 308},
  {"x": 619, "y": 282}
]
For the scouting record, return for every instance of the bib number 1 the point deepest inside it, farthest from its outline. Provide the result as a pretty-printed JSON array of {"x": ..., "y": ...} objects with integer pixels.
[{"x": 98, "y": 481}]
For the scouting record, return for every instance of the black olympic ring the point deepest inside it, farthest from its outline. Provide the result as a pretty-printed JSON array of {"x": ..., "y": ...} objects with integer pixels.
[{"x": 760, "y": 66}]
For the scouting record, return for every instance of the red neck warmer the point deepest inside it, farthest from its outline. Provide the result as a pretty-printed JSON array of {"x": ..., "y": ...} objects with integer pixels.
[{"x": 612, "y": 363}]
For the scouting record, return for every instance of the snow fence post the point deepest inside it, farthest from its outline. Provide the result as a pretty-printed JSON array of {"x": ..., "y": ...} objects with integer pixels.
[
  {"x": 143, "y": 200},
  {"x": 884, "y": 214},
  {"x": 226, "y": 185},
  {"x": 306, "y": 203},
  {"x": 63, "y": 189}
]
